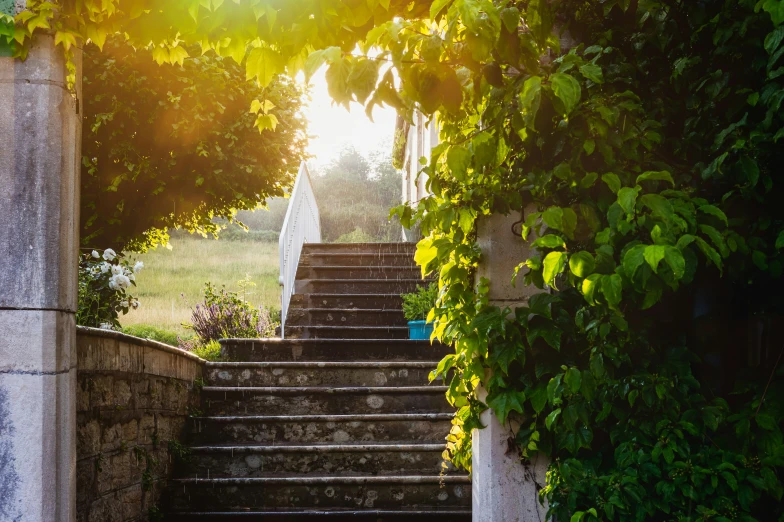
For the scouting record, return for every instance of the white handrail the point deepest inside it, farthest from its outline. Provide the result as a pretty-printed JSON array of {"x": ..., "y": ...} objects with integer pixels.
[{"x": 302, "y": 225}]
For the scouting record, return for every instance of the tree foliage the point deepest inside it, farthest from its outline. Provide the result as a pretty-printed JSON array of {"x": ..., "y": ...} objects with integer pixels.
[
  {"x": 175, "y": 145},
  {"x": 645, "y": 134}
]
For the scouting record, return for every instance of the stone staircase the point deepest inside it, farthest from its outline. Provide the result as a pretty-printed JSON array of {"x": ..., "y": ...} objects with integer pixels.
[{"x": 335, "y": 422}]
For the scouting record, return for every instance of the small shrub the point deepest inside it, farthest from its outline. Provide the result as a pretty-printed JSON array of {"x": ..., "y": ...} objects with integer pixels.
[
  {"x": 416, "y": 305},
  {"x": 104, "y": 280},
  {"x": 210, "y": 351},
  {"x": 225, "y": 314},
  {"x": 357, "y": 236},
  {"x": 147, "y": 331}
]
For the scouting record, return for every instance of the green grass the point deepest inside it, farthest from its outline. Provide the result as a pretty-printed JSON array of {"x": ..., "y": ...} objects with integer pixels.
[{"x": 172, "y": 280}]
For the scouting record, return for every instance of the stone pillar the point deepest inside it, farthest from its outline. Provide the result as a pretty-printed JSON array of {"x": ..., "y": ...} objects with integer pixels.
[
  {"x": 40, "y": 143},
  {"x": 505, "y": 489}
]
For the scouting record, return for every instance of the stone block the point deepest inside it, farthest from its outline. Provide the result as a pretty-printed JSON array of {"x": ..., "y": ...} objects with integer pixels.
[
  {"x": 502, "y": 251},
  {"x": 88, "y": 438},
  {"x": 39, "y": 180},
  {"x": 36, "y": 341}
]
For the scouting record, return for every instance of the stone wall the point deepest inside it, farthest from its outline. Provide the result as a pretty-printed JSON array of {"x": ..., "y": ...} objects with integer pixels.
[{"x": 133, "y": 399}]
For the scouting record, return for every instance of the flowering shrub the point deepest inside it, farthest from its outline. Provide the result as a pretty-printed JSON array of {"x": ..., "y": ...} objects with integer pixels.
[
  {"x": 104, "y": 280},
  {"x": 225, "y": 314}
]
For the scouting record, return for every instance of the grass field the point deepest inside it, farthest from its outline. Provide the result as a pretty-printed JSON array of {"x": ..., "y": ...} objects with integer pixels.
[{"x": 172, "y": 280}]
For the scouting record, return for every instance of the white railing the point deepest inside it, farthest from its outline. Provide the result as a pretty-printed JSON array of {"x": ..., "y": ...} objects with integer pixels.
[{"x": 302, "y": 225}]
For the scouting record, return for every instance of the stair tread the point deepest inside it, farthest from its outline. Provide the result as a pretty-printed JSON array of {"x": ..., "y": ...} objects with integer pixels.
[
  {"x": 296, "y": 447},
  {"x": 281, "y": 478},
  {"x": 327, "y": 389},
  {"x": 329, "y": 418},
  {"x": 322, "y": 364}
]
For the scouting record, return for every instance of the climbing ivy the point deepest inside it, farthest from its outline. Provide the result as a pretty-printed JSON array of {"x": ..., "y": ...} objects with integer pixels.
[{"x": 642, "y": 135}]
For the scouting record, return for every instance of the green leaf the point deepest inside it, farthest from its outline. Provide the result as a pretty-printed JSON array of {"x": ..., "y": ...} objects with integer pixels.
[
  {"x": 549, "y": 241},
  {"x": 506, "y": 402},
  {"x": 553, "y": 218},
  {"x": 714, "y": 211},
  {"x": 591, "y": 284},
  {"x": 589, "y": 146},
  {"x": 592, "y": 72},
  {"x": 425, "y": 254},
  {"x": 582, "y": 264},
  {"x": 651, "y": 175},
  {"x": 538, "y": 398},
  {"x": 659, "y": 205},
  {"x": 780, "y": 240},
  {"x": 567, "y": 89},
  {"x": 437, "y": 6},
  {"x": 653, "y": 254},
  {"x": 510, "y": 17},
  {"x": 613, "y": 181},
  {"x": 550, "y": 419},
  {"x": 363, "y": 78},
  {"x": 553, "y": 265},
  {"x": 612, "y": 287},
  {"x": 457, "y": 160},
  {"x": 573, "y": 379},
  {"x": 263, "y": 64},
  {"x": 627, "y": 198},
  {"x": 530, "y": 99},
  {"x": 674, "y": 258}
]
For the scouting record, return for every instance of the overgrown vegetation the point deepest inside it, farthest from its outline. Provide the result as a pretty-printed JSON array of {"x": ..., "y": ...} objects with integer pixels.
[
  {"x": 146, "y": 331},
  {"x": 105, "y": 281},
  {"x": 175, "y": 145}
]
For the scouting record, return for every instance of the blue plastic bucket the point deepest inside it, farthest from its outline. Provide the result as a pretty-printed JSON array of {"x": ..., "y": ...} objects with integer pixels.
[{"x": 419, "y": 330}]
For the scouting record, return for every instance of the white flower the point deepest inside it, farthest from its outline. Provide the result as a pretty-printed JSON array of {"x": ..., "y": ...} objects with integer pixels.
[
  {"x": 106, "y": 326},
  {"x": 131, "y": 277},
  {"x": 120, "y": 281},
  {"x": 105, "y": 267},
  {"x": 135, "y": 304},
  {"x": 95, "y": 254},
  {"x": 95, "y": 270},
  {"x": 109, "y": 254},
  {"x": 138, "y": 266},
  {"x": 117, "y": 269}
]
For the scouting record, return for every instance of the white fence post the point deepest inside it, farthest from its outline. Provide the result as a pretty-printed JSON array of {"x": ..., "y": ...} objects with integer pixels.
[{"x": 302, "y": 225}]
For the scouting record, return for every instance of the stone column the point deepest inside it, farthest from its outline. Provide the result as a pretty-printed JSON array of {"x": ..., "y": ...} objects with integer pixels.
[
  {"x": 40, "y": 142},
  {"x": 505, "y": 489}
]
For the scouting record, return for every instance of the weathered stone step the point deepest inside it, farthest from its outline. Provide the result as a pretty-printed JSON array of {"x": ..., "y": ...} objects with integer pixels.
[
  {"x": 309, "y": 515},
  {"x": 321, "y": 373},
  {"x": 365, "y": 248},
  {"x": 332, "y": 350},
  {"x": 402, "y": 259},
  {"x": 310, "y": 400},
  {"x": 358, "y": 272},
  {"x": 346, "y": 301},
  {"x": 344, "y": 317},
  {"x": 346, "y": 332},
  {"x": 412, "y": 427},
  {"x": 358, "y": 286},
  {"x": 324, "y": 492},
  {"x": 390, "y": 458}
]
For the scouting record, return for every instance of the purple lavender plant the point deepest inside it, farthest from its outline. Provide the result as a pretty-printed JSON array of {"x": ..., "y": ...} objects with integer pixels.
[{"x": 224, "y": 314}]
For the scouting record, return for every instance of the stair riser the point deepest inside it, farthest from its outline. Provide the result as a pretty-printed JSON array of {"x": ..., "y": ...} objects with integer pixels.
[
  {"x": 249, "y": 464},
  {"x": 378, "y": 302},
  {"x": 357, "y": 272},
  {"x": 220, "y": 403},
  {"x": 212, "y": 497},
  {"x": 334, "y": 351},
  {"x": 345, "y": 318},
  {"x": 318, "y": 376},
  {"x": 314, "y": 332},
  {"x": 366, "y": 248},
  {"x": 308, "y": 432},
  {"x": 356, "y": 286},
  {"x": 405, "y": 259}
]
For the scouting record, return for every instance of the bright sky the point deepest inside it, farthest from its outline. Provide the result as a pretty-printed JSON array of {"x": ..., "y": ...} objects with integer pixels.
[{"x": 332, "y": 127}]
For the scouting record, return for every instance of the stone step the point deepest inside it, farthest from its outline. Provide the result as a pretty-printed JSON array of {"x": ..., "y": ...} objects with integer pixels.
[
  {"x": 357, "y": 272},
  {"x": 312, "y": 400},
  {"x": 412, "y": 427},
  {"x": 346, "y": 332},
  {"x": 401, "y": 259},
  {"x": 332, "y": 350},
  {"x": 344, "y": 317},
  {"x": 309, "y": 515},
  {"x": 325, "y": 492},
  {"x": 358, "y": 286},
  {"x": 346, "y": 301},
  {"x": 357, "y": 459},
  {"x": 322, "y": 373},
  {"x": 365, "y": 248}
]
